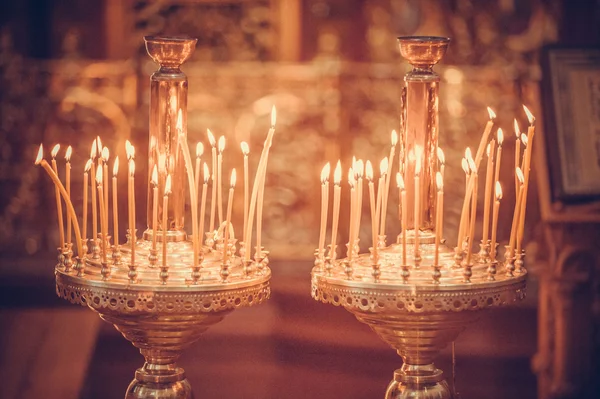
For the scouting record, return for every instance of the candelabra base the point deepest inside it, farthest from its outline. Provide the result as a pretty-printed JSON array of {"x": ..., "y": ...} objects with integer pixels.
[
  {"x": 418, "y": 381},
  {"x": 159, "y": 382}
]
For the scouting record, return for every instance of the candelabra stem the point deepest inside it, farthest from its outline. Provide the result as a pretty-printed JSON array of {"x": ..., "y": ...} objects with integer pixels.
[{"x": 159, "y": 376}]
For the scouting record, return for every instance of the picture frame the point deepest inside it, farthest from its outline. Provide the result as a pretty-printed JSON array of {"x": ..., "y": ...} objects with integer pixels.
[{"x": 570, "y": 90}]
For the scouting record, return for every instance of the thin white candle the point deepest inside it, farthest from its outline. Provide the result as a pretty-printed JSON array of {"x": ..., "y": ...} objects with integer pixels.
[
  {"x": 68, "y": 187},
  {"x": 517, "y": 150},
  {"x": 383, "y": 170},
  {"x": 199, "y": 152},
  {"x": 489, "y": 177},
  {"x": 484, "y": 137},
  {"x": 515, "y": 221},
  {"x": 221, "y": 148},
  {"x": 154, "y": 181},
  {"x": 105, "y": 157},
  {"x": 442, "y": 161},
  {"x": 324, "y": 206},
  {"x": 103, "y": 227},
  {"x": 475, "y": 179},
  {"x": 394, "y": 139},
  {"x": 88, "y": 165},
  {"x": 213, "y": 202},
  {"x": 228, "y": 219},
  {"x": 114, "y": 200},
  {"x": 61, "y": 227},
  {"x": 132, "y": 208},
  {"x": 527, "y": 163},
  {"x": 417, "y": 209},
  {"x": 203, "y": 206},
  {"x": 495, "y": 220},
  {"x": 500, "y": 138},
  {"x": 164, "y": 219},
  {"x": 351, "y": 183},
  {"x": 337, "y": 179},
  {"x": 245, "y": 151},
  {"x": 93, "y": 155},
  {"x": 400, "y": 184},
  {"x": 438, "y": 217},
  {"x": 360, "y": 171},
  {"x": 369, "y": 175}
]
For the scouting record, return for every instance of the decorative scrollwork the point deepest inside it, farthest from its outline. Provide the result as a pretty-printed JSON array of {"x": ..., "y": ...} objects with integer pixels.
[
  {"x": 385, "y": 301},
  {"x": 133, "y": 301}
]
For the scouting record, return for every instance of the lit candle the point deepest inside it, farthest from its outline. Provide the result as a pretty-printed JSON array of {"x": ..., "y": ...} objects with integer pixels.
[
  {"x": 337, "y": 179},
  {"x": 475, "y": 179},
  {"x": 417, "y": 209},
  {"x": 259, "y": 181},
  {"x": 203, "y": 206},
  {"x": 441, "y": 160},
  {"x": 103, "y": 228},
  {"x": 383, "y": 169},
  {"x": 495, "y": 220},
  {"x": 515, "y": 222},
  {"x": 245, "y": 150},
  {"x": 61, "y": 228},
  {"x": 199, "y": 152},
  {"x": 394, "y": 138},
  {"x": 229, "y": 207},
  {"x": 105, "y": 156},
  {"x": 131, "y": 198},
  {"x": 213, "y": 202},
  {"x": 154, "y": 181},
  {"x": 484, "y": 137},
  {"x": 527, "y": 163},
  {"x": 489, "y": 177},
  {"x": 525, "y": 142},
  {"x": 438, "y": 217},
  {"x": 68, "y": 187},
  {"x": 464, "y": 215},
  {"x": 42, "y": 162},
  {"x": 351, "y": 183},
  {"x": 517, "y": 150},
  {"x": 220, "y": 178},
  {"x": 324, "y": 206},
  {"x": 499, "y": 157},
  {"x": 359, "y": 171},
  {"x": 369, "y": 175},
  {"x": 93, "y": 155},
  {"x": 400, "y": 183},
  {"x": 88, "y": 165},
  {"x": 115, "y": 206},
  {"x": 193, "y": 192},
  {"x": 164, "y": 219}
]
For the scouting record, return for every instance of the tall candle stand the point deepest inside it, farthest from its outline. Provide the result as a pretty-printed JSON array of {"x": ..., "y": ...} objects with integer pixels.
[
  {"x": 164, "y": 290},
  {"x": 418, "y": 294}
]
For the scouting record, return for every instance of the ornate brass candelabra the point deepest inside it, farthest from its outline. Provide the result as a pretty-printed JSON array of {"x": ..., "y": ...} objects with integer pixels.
[
  {"x": 418, "y": 294},
  {"x": 163, "y": 291}
]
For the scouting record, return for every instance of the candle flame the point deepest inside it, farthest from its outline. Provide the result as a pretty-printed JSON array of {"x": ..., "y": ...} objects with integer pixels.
[
  {"x": 154, "y": 179},
  {"x": 245, "y": 148},
  {"x": 206, "y": 173},
  {"x": 516, "y": 127},
  {"x": 221, "y": 143},
  {"x": 179, "y": 124},
  {"x": 520, "y": 176},
  {"x": 40, "y": 155},
  {"x": 488, "y": 149},
  {"x": 233, "y": 178},
  {"x": 94, "y": 150},
  {"x": 211, "y": 138},
  {"x": 369, "y": 171},
  {"x": 530, "y": 116},
  {"x": 360, "y": 168},
  {"x": 128, "y": 149},
  {"x": 337, "y": 173},
  {"x": 498, "y": 191},
  {"x": 491, "y": 113},
  {"x": 441, "y": 156},
  {"x": 105, "y": 154},
  {"x": 524, "y": 139},
  {"x": 325, "y": 173},
  {"x": 399, "y": 181},
  {"x": 168, "y": 186},
  {"x": 99, "y": 144},
  {"x": 465, "y": 165},
  {"x": 54, "y": 151},
  {"x": 500, "y": 137},
  {"x": 383, "y": 166},
  {"x": 99, "y": 176},
  {"x": 273, "y": 116},
  {"x": 131, "y": 167},
  {"x": 468, "y": 153},
  {"x": 439, "y": 181},
  {"x": 116, "y": 166},
  {"x": 199, "y": 149},
  {"x": 394, "y": 138},
  {"x": 68, "y": 153},
  {"x": 472, "y": 165},
  {"x": 88, "y": 165}
]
